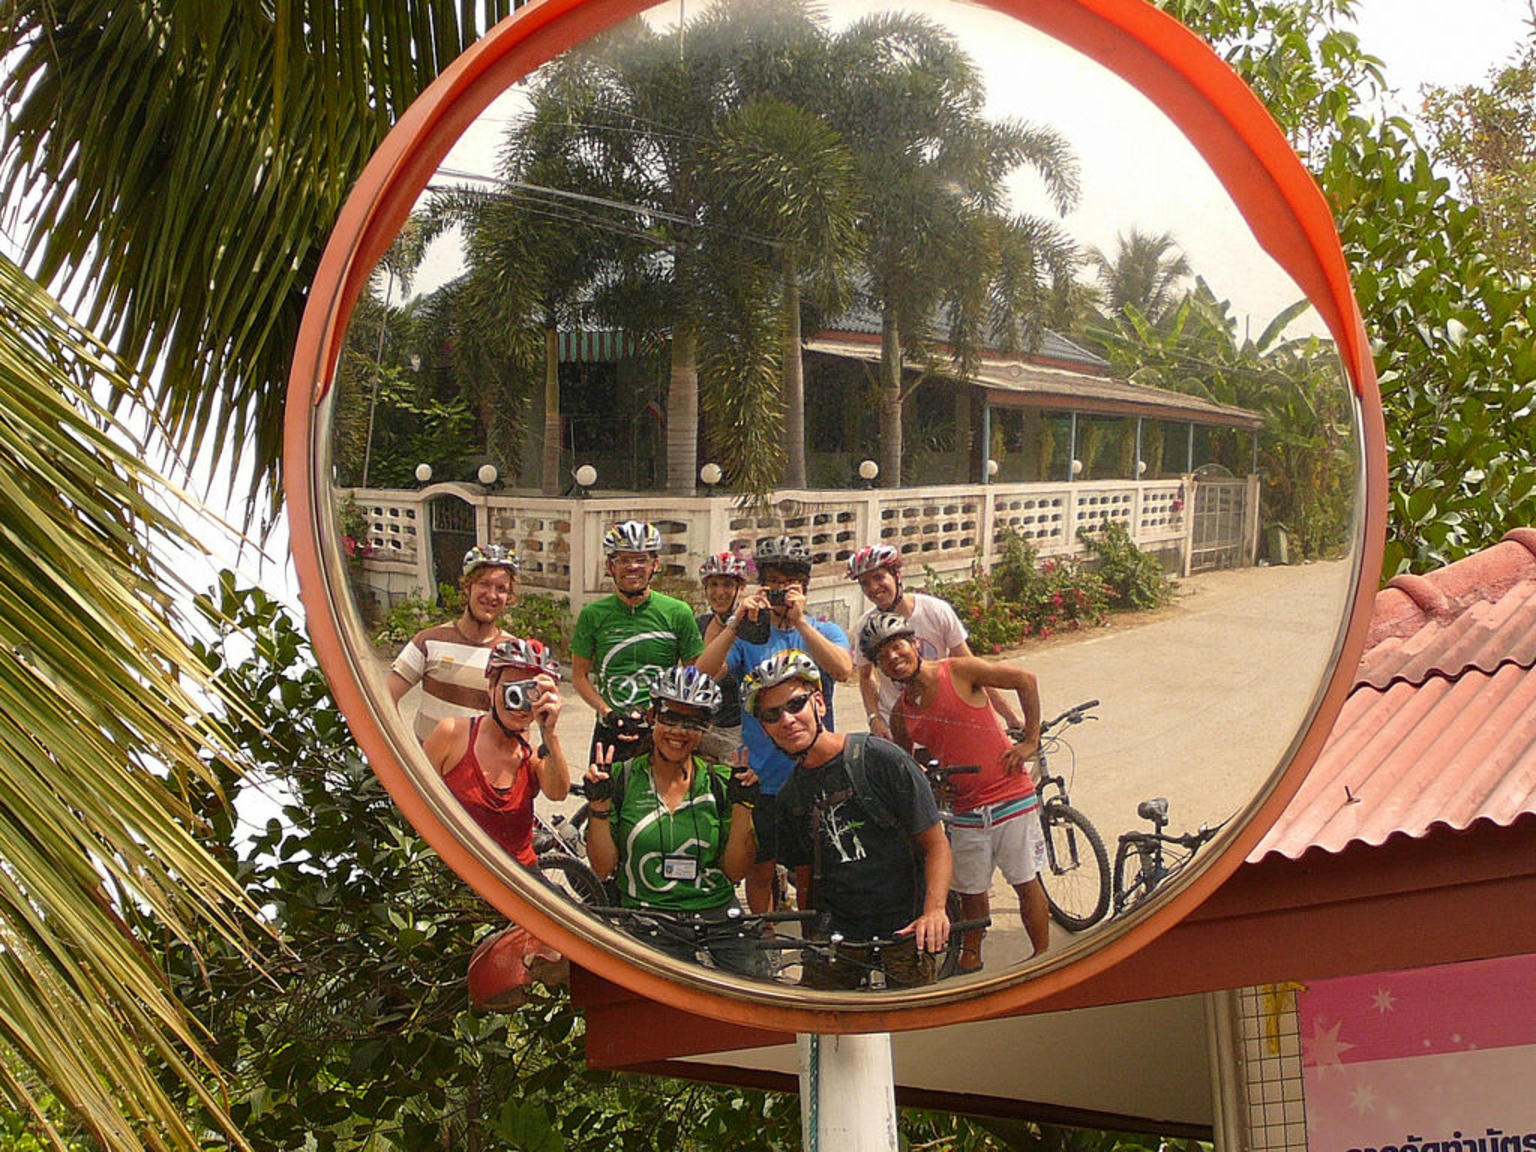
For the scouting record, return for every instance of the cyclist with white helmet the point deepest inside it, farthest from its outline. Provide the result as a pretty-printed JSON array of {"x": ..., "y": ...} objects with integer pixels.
[
  {"x": 623, "y": 641},
  {"x": 777, "y": 608},
  {"x": 936, "y": 629},
  {"x": 724, "y": 576},
  {"x": 448, "y": 660},
  {"x": 488, "y": 762},
  {"x": 859, "y": 815},
  {"x": 673, "y": 828},
  {"x": 996, "y": 826}
]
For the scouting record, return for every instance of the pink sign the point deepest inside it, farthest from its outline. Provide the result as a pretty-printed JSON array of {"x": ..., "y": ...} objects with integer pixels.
[{"x": 1431, "y": 1060}]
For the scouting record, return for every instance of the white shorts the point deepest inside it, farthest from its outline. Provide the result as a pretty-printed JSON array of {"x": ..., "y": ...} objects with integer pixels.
[{"x": 1015, "y": 845}]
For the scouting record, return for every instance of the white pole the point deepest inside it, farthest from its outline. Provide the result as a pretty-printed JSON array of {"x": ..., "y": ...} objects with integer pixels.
[{"x": 847, "y": 1093}]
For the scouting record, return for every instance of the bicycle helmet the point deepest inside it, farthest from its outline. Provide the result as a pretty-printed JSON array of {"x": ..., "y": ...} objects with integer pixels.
[
  {"x": 489, "y": 556},
  {"x": 530, "y": 655},
  {"x": 686, "y": 685},
  {"x": 872, "y": 558},
  {"x": 632, "y": 536},
  {"x": 725, "y": 564},
  {"x": 791, "y": 664},
  {"x": 879, "y": 630},
  {"x": 787, "y": 553}
]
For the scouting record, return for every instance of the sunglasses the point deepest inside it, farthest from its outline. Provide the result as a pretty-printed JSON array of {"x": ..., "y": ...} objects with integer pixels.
[
  {"x": 795, "y": 705},
  {"x": 678, "y": 720}
]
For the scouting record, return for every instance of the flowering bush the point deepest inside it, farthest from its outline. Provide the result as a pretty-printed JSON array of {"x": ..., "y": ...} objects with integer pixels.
[{"x": 1020, "y": 599}]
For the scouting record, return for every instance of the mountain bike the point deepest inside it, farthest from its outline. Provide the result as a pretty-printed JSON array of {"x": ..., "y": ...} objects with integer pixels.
[
  {"x": 1144, "y": 861},
  {"x": 1076, "y": 879}
]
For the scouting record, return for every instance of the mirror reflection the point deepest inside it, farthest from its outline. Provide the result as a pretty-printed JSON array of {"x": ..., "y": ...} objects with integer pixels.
[{"x": 816, "y": 479}]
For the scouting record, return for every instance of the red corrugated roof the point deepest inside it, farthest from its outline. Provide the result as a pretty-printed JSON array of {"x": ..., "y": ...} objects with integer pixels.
[{"x": 1440, "y": 727}]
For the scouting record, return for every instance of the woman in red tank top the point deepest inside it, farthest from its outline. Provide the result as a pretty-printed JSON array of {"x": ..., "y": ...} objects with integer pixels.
[{"x": 487, "y": 761}]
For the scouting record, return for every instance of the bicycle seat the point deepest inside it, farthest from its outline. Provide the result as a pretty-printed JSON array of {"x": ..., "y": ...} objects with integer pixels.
[{"x": 1155, "y": 810}]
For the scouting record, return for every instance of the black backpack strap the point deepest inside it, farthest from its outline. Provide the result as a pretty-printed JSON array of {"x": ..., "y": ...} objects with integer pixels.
[{"x": 853, "y": 763}]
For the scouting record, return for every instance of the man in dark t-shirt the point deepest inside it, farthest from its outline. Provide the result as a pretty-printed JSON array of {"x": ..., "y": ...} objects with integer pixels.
[{"x": 874, "y": 874}]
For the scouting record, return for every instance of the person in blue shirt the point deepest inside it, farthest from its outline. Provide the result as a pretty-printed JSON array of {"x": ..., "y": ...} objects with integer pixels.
[{"x": 773, "y": 619}]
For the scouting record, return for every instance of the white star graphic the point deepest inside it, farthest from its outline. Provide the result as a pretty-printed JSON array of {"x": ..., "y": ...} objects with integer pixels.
[
  {"x": 1383, "y": 1001},
  {"x": 1363, "y": 1099},
  {"x": 1323, "y": 1047}
]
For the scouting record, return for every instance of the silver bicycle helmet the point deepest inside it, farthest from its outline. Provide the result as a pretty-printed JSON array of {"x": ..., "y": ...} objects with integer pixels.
[
  {"x": 791, "y": 664},
  {"x": 784, "y": 552},
  {"x": 725, "y": 564},
  {"x": 489, "y": 556},
  {"x": 531, "y": 655},
  {"x": 686, "y": 685},
  {"x": 872, "y": 558},
  {"x": 632, "y": 536},
  {"x": 879, "y": 630}
]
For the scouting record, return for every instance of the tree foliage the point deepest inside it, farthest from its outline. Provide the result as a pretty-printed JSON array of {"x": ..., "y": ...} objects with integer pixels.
[
  {"x": 104, "y": 754},
  {"x": 1487, "y": 134},
  {"x": 1451, "y": 326}
]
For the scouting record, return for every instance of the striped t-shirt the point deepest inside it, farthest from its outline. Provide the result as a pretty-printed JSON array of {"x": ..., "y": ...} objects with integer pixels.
[{"x": 451, "y": 672}]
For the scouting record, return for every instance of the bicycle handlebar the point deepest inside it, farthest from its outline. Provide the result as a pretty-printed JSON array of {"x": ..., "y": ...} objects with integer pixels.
[
  {"x": 791, "y": 943},
  {"x": 1074, "y": 715},
  {"x": 940, "y": 772}
]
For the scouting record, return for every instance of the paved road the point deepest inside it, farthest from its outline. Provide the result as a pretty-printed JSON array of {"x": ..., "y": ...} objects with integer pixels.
[{"x": 1199, "y": 702}]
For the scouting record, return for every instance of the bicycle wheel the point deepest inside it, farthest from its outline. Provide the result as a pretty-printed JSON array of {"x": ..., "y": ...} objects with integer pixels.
[
  {"x": 573, "y": 878},
  {"x": 1136, "y": 873},
  {"x": 1076, "y": 878}
]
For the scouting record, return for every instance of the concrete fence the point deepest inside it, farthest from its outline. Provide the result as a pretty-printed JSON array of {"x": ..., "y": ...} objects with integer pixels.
[{"x": 558, "y": 540}]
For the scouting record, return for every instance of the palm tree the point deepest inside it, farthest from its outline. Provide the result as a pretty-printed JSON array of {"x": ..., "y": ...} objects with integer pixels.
[
  {"x": 180, "y": 165},
  {"x": 103, "y": 776},
  {"x": 782, "y": 174},
  {"x": 931, "y": 169},
  {"x": 1146, "y": 272}
]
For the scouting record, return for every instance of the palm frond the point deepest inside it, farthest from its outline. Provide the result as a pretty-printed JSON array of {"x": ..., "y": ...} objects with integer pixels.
[
  {"x": 185, "y": 162},
  {"x": 105, "y": 762}
]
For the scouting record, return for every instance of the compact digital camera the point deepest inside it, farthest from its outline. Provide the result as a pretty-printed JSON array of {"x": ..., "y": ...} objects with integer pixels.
[{"x": 520, "y": 695}]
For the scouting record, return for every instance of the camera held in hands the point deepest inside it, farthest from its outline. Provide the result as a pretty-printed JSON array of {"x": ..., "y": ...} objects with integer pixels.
[
  {"x": 777, "y": 596},
  {"x": 520, "y": 695}
]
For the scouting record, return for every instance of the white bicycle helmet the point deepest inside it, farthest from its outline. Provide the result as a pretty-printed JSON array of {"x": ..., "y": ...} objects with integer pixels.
[
  {"x": 725, "y": 564},
  {"x": 880, "y": 629},
  {"x": 872, "y": 558},
  {"x": 489, "y": 556},
  {"x": 784, "y": 552},
  {"x": 791, "y": 664},
  {"x": 686, "y": 685},
  {"x": 632, "y": 536},
  {"x": 531, "y": 655}
]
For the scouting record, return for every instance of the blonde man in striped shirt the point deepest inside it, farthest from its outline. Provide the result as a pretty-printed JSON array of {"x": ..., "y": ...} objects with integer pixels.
[{"x": 448, "y": 660}]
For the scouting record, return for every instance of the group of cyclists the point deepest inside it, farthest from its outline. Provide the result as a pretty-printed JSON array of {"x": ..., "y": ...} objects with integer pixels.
[{"x": 716, "y": 759}]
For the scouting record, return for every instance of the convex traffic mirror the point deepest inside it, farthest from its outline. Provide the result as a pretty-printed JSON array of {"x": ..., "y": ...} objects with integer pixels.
[{"x": 614, "y": 245}]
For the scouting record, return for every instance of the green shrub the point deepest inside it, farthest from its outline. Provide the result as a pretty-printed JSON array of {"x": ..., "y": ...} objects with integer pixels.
[{"x": 1135, "y": 580}]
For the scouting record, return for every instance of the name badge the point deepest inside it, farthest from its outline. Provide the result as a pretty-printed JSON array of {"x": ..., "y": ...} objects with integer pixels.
[{"x": 679, "y": 868}]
